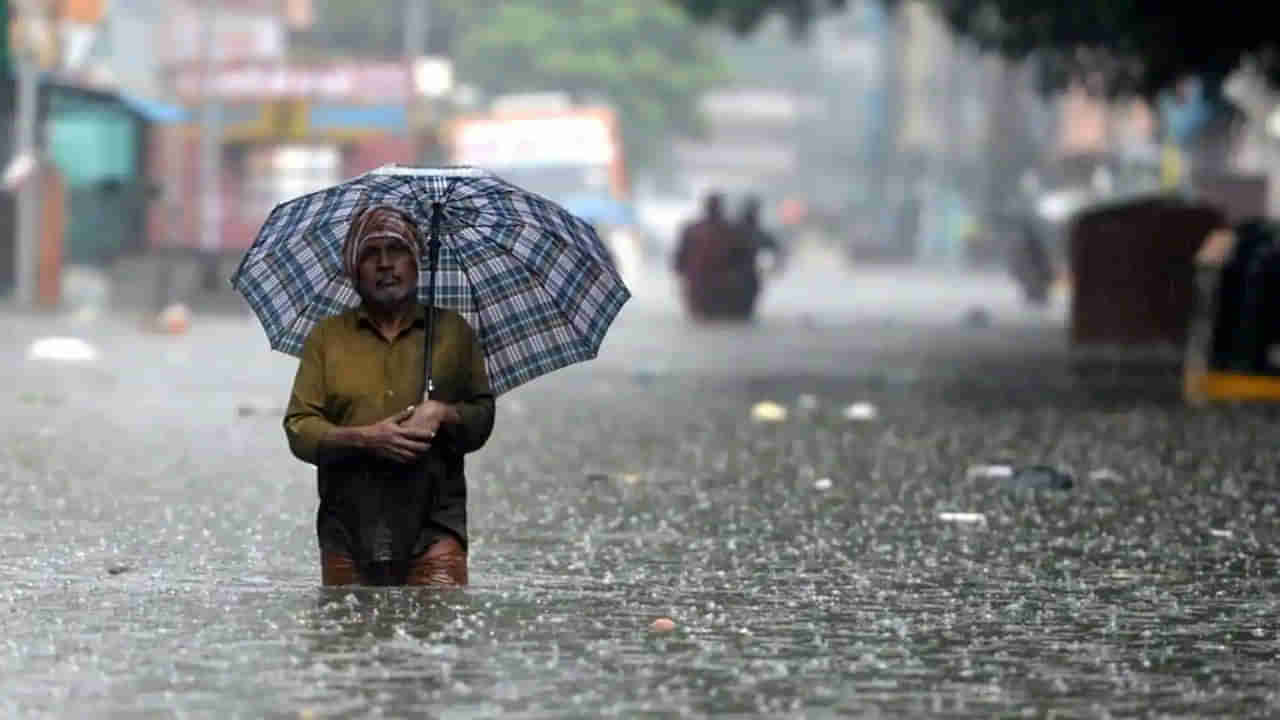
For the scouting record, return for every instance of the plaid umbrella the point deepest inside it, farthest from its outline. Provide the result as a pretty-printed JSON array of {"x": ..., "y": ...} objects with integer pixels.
[{"x": 534, "y": 281}]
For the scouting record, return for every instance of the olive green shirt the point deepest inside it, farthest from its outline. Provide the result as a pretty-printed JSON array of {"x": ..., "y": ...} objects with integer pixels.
[{"x": 350, "y": 375}]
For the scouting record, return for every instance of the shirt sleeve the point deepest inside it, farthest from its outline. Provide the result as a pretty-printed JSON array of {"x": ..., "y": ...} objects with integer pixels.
[
  {"x": 305, "y": 424},
  {"x": 478, "y": 408}
]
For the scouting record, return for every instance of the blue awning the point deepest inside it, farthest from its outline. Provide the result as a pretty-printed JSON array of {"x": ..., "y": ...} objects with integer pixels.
[
  {"x": 333, "y": 116},
  {"x": 156, "y": 111}
]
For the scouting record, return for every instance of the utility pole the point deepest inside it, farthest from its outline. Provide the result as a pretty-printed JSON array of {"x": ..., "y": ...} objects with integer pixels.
[
  {"x": 416, "y": 20},
  {"x": 27, "y": 237},
  {"x": 210, "y": 138}
]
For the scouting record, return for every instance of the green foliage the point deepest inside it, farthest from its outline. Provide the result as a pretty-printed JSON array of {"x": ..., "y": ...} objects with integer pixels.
[
  {"x": 743, "y": 16},
  {"x": 1117, "y": 46},
  {"x": 646, "y": 59},
  {"x": 1123, "y": 46}
]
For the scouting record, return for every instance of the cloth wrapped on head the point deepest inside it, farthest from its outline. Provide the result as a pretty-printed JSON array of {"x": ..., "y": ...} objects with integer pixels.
[{"x": 378, "y": 221}]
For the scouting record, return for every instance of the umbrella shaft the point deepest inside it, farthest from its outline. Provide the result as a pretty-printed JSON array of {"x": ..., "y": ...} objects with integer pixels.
[{"x": 433, "y": 253}]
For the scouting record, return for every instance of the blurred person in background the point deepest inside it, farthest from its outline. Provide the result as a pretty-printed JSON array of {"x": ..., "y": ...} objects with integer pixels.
[
  {"x": 390, "y": 461},
  {"x": 716, "y": 266},
  {"x": 766, "y": 253}
]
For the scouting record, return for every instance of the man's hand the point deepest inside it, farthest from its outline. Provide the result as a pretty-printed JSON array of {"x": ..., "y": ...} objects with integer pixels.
[
  {"x": 429, "y": 416},
  {"x": 394, "y": 439}
]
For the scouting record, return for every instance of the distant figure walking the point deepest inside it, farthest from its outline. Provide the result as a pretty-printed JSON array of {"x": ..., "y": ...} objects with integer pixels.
[
  {"x": 716, "y": 263},
  {"x": 755, "y": 241}
]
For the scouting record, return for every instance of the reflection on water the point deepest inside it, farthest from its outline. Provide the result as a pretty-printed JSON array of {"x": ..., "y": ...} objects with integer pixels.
[{"x": 607, "y": 500}]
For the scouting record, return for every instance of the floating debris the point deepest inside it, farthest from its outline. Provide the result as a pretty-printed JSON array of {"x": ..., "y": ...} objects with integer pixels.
[
  {"x": 822, "y": 484},
  {"x": 626, "y": 478},
  {"x": 118, "y": 569},
  {"x": 1040, "y": 477},
  {"x": 62, "y": 349},
  {"x": 977, "y": 317},
  {"x": 768, "y": 412},
  {"x": 259, "y": 406},
  {"x": 174, "y": 319},
  {"x": 1221, "y": 533},
  {"x": 45, "y": 399},
  {"x": 663, "y": 625},
  {"x": 861, "y": 412},
  {"x": 989, "y": 472},
  {"x": 965, "y": 518},
  {"x": 1106, "y": 475}
]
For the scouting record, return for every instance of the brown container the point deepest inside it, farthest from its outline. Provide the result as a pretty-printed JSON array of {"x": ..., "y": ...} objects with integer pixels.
[{"x": 1133, "y": 265}]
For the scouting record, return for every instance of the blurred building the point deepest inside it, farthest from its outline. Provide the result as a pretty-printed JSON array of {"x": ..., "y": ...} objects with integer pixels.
[
  {"x": 178, "y": 124},
  {"x": 750, "y": 144},
  {"x": 91, "y": 138},
  {"x": 204, "y": 120},
  {"x": 286, "y": 129},
  {"x": 1258, "y": 150}
]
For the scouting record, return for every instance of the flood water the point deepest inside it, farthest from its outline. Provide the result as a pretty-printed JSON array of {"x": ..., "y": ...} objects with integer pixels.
[{"x": 159, "y": 560}]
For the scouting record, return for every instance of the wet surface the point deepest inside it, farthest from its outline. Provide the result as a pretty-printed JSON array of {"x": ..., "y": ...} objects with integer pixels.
[{"x": 159, "y": 556}]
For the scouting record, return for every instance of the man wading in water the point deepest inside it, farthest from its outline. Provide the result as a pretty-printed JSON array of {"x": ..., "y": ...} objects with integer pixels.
[{"x": 393, "y": 496}]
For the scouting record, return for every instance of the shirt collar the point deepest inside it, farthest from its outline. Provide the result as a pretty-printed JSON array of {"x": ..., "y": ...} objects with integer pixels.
[{"x": 419, "y": 316}]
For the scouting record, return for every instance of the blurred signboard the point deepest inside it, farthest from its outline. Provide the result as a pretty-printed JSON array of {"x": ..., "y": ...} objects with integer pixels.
[
  {"x": 82, "y": 11},
  {"x": 573, "y": 137},
  {"x": 236, "y": 36},
  {"x": 553, "y": 152},
  {"x": 371, "y": 81}
]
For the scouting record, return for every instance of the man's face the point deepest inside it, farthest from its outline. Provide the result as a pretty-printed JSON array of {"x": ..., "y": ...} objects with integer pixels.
[{"x": 388, "y": 274}]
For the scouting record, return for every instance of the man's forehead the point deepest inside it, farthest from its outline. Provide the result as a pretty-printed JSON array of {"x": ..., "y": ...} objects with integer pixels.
[{"x": 382, "y": 239}]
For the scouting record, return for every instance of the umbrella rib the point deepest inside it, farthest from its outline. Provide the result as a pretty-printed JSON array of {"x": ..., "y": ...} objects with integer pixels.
[
  {"x": 532, "y": 273},
  {"x": 554, "y": 237}
]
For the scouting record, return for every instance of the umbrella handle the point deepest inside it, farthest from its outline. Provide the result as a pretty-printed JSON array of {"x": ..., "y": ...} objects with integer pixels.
[{"x": 433, "y": 254}]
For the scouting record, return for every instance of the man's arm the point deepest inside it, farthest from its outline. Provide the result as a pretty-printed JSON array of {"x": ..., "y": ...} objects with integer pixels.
[
  {"x": 464, "y": 426},
  {"x": 315, "y": 439},
  {"x": 476, "y": 414},
  {"x": 305, "y": 424}
]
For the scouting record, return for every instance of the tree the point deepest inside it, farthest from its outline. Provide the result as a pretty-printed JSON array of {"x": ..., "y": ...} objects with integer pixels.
[
  {"x": 646, "y": 59},
  {"x": 1141, "y": 47},
  {"x": 744, "y": 15}
]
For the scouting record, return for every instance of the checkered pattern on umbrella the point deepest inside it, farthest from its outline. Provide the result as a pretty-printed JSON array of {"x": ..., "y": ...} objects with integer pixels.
[{"x": 534, "y": 281}]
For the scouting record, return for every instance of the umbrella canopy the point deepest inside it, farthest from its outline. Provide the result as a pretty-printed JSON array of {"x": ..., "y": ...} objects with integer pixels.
[{"x": 534, "y": 281}]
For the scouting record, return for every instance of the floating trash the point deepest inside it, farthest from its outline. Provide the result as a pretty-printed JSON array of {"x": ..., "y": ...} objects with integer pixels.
[
  {"x": 627, "y": 478},
  {"x": 1106, "y": 475},
  {"x": 989, "y": 472},
  {"x": 964, "y": 518},
  {"x": 823, "y": 484},
  {"x": 663, "y": 625},
  {"x": 768, "y": 412},
  {"x": 45, "y": 399},
  {"x": 62, "y": 349},
  {"x": 259, "y": 406},
  {"x": 1040, "y": 477},
  {"x": 1220, "y": 533},
  {"x": 118, "y": 569},
  {"x": 977, "y": 317},
  {"x": 861, "y": 412},
  {"x": 174, "y": 319}
]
